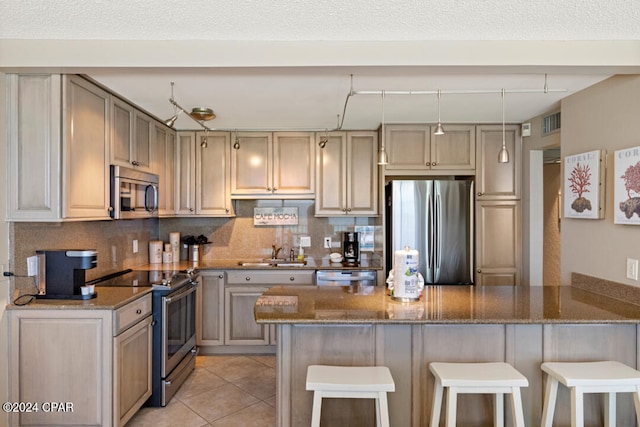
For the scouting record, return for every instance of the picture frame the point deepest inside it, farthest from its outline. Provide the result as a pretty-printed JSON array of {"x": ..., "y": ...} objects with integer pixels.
[
  {"x": 583, "y": 191},
  {"x": 626, "y": 186}
]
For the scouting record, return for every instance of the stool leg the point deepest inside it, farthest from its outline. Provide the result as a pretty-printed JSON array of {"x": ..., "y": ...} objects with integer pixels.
[
  {"x": 437, "y": 404},
  {"x": 382, "y": 411},
  {"x": 636, "y": 403},
  {"x": 317, "y": 408},
  {"x": 549, "y": 405},
  {"x": 498, "y": 410},
  {"x": 516, "y": 407},
  {"x": 577, "y": 407},
  {"x": 377, "y": 399},
  {"x": 452, "y": 403},
  {"x": 610, "y": 410}
]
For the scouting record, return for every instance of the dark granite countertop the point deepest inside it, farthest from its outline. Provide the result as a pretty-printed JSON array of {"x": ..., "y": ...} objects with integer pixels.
[
  {"x": 108, "y": 298},
  {"x": 442, "y": 305}
]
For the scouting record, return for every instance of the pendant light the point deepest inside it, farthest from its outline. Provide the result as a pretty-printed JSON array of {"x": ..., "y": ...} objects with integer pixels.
[
  {"x": 382, "y": 154},
  {"x": 503, "y": 155},
  {"x": 236, "y": 141},
  {"x": 439, "y": 129},
  {"x": 171, "y": 121},
  {"x": 205, "y": 140}
]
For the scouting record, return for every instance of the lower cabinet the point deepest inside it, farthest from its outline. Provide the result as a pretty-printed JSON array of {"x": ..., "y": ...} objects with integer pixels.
[
  {"x": 95, "y": 363},
  {"x": 226, "y": 300}
]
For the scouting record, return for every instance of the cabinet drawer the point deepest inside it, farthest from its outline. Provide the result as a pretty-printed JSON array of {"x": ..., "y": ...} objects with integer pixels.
[
  {"x": 131, "y": 314},
  {"x": 270, "y": 277}
]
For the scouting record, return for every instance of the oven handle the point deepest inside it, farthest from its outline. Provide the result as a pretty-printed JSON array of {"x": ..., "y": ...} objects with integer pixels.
[{"x": 182, "y": 294}]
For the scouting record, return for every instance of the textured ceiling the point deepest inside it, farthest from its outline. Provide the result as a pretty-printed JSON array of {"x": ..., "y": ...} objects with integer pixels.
[{"x": 386, "y": 44}]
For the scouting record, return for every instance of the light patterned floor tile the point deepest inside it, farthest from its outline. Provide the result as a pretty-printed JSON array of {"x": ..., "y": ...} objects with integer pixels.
[
  {"x": 258, "y": 415},
  {"x": 174, "y": 414},
  {"x": 220, "y": 402}
]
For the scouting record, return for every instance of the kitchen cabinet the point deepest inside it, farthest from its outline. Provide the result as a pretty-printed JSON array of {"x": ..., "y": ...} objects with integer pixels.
[
  {"x": 203, "y": 175},
  {"x": 273, "y": 165},
  {"x": 498, "y": 243},
  {"x": 498, "y": 181},
  {"x": 97, "y": 360},
  {"x": 415, "y": 149},
  {"x": 58, "y": 142},
  {"x": 131, "y": 144},
  {"x": 347, "y": 174},
  {"x": 163, "y": 157},
  {"x": 210, "y": 308},
  {"x": 241, "y": 291}
]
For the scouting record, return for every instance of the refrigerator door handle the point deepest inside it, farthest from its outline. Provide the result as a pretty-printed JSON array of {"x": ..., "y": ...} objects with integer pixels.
[
  {"x": 438, "y": 232},
  {"x": 430, "y": 232}
]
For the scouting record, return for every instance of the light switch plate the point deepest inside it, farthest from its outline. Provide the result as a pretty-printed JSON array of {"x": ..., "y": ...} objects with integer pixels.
[{"x": 632, "y": 269}]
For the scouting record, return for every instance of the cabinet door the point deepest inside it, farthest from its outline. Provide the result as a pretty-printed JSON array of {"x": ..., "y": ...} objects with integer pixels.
[
  {"x": 455, "y": 150},
  {"x": 185, "y": 173},
  {"x": 294, "y": 163},
  {"x": 121, "y": 132},
  {"x": 251, "y": 165},
  {"x": 210, "y": 309},
  {"x": 362, "y": 173},
  {"x": 142, "y": 131},
  {"x": 331, "y": 169},
  {"x": 33, "y": 121},
  {"x": 408, "y": 147},
  {"x": 213, "y": 175},
  {"x": 132, "y": 360},
  {"x": 240, "y": 327},
  {"x": 498, "y": 251},
  {"x": 162, "y": 164},
  {"x": 497, "y": 181},
  {"x": 85, "y": 150}
]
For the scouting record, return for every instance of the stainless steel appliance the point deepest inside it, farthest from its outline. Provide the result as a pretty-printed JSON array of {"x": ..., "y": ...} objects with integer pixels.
[
  {"x": 174, "y": 326},
  {"x": 134, "y": 194},
  {"x": 434, "y": 217},
  {"x": 345, "y": 278},
  {"x": 61, "y": 273}
]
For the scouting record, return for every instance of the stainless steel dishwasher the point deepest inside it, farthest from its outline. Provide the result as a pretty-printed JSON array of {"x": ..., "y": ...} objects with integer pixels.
[{"x": 346, "y": 278}]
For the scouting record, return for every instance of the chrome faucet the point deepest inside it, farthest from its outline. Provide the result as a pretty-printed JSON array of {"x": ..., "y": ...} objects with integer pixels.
[{"x": 274, "y": 251}]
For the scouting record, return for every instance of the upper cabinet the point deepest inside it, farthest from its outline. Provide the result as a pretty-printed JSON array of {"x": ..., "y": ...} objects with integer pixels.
[
  {"x": 273, "y": 165},
  {"x": 58, "y": 148},
  {"x": 203, "y": 174},
  {"x": 415, "y": 149},
  {"x": 163, "y": 164},
  {"x": 347, "y": 174},
  {"x": 131, "y": 144},
  {"x": 498, "y": 181}
]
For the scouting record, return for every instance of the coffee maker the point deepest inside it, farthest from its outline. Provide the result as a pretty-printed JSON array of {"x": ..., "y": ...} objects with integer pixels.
[
  {"x": 61, "y": 273},
  {"x": 351, "y": 247}
]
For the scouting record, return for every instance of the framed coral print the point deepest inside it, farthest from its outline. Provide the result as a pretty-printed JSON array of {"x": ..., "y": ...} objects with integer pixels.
[
  {"x": 583, "y": 185},
  {"x": 626, "y": 186}
]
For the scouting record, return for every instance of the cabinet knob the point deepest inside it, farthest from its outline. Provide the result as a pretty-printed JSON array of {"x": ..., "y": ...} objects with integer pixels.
[
  {"x": 479, "y": 193},
  {"x": 190, "y": 209},
  {"x": 433, "y": 163},
  {"x": 478, "y": 271},
  {"x": 135, "y": 163},
  {"x": 274, "y": 190},
  {"x": 428, "y": 163},
  {"x": 292, "y": 278},
  {"x": 247, "y": 278},
  {"x": 268, "y": 189},
  {"x": 110, "y": 209},
  {"x": 138, "y": 311},
  {"x": 348, "y": 209},
  {"x": 220, "y": 276}
]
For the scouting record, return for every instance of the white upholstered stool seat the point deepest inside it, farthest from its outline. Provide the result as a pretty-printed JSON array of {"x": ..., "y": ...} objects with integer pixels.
[
  {"x": 355, "y": 382},
  {"x": 608, "y": 377},
  {"x": 497, "y": 378}
]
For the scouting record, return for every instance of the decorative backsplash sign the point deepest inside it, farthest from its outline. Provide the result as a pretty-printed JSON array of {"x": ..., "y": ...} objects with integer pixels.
[
  {"x": 275, "y": 216},
  {"x": 626, "y": 186},
  {"x": 583, "y": 183}
]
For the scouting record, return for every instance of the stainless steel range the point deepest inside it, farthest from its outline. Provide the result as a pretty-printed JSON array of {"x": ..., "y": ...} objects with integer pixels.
[{"x": 174, "y": 326}]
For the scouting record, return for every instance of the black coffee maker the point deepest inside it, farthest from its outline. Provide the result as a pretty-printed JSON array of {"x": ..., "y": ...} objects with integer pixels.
[
  {"x": 351, "y": 247},
  {"x": 61, "y": 273}
]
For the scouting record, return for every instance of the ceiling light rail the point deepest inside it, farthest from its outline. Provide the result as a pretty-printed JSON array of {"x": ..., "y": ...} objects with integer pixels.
[{"x": 198, "y": 114}]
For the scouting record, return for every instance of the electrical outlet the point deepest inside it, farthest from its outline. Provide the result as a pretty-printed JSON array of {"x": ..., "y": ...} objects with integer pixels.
[
  {"x": 305, "y": 241},
  {"x": 135, "y": 246},
  {"x": 632, "y": 269},
  {"x": 327, "y": 242}
]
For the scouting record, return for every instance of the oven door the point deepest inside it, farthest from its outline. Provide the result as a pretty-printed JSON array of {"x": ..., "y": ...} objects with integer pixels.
[{"x": 178, "y": 326}]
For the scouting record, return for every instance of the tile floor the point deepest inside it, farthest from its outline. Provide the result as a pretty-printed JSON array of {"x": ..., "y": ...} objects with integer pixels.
[{"x": 223, "y": 391}]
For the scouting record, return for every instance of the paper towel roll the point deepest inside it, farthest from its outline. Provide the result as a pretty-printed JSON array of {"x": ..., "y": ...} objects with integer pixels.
[
  {"x": 174, "y": 240},
  {"x": 405, "y": 278},
  {"x": 155, "y": 252}
]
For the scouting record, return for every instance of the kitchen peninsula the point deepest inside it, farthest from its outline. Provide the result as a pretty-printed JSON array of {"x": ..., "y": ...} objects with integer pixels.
[{"x": 524, "y": 326}]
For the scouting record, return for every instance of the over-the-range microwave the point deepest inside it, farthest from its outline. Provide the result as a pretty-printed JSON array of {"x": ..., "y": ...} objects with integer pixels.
[{"x": 134, "y": 194}]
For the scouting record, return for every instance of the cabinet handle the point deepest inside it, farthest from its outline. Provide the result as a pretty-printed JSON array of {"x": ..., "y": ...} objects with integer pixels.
[{"x": 138, "y": 311}]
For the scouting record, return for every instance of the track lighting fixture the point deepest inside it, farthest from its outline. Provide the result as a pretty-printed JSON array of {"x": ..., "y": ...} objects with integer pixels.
[
  {"x": 205, "y": 139},
  {"x": 503, "y": 155},
  {"x": 236, "y": 141},
  {"x": 198, "y": 114},
  {"x": 439, "y": 129},
  {"x": 324, "y": 139},
  {"x": 382, "y": 154}
]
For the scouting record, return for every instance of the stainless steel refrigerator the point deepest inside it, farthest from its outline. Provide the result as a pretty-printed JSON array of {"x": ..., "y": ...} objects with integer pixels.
[{"x": 436, "y": 218}]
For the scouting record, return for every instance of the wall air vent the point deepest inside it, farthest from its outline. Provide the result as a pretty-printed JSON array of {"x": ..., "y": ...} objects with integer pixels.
[{"x": 550, "y": 123}]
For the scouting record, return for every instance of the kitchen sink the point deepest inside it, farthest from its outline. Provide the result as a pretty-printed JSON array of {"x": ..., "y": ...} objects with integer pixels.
[{"x": 272, "y": 262}]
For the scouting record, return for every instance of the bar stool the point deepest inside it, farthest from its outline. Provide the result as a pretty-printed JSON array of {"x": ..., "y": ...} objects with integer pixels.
[
  {"x": 589, "y": 377},
  {"x": 497, "y": 378},
  {"x": 355, "y": 382}
]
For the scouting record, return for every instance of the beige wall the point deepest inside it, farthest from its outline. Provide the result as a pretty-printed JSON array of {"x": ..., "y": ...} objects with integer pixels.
[
  {"x": 551, "y": 246},
  {"x": 604, "y": 116},
  {"x": 4, "y": 257}
]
